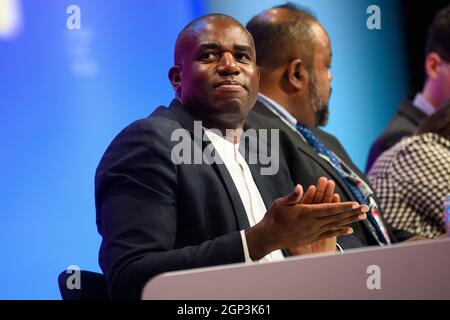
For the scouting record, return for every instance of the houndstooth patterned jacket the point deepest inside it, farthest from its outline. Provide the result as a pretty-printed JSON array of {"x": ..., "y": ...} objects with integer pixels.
[{"x": 412, "y": 180}]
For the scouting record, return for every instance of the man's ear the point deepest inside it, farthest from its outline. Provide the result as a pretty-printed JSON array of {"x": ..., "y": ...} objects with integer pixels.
[
  {"x": 296, "y": 74},
  {"x": 175, "y": 78},
  {"x": 432, "y": 62}
]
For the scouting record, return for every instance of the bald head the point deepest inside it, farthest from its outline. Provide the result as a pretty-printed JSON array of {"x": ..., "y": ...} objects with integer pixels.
[
  {"x": 288, "y": 28},
  {"x": 199, "y": 25}
]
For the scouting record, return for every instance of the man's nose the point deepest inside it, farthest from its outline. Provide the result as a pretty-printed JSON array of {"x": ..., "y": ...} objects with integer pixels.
[
  {"x": 330, "y": 76},
  {"x": 227, "y": 64}
]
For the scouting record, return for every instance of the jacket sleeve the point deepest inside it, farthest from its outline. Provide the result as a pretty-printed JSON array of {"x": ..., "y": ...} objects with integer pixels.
[{"x": 137, "y": 209}]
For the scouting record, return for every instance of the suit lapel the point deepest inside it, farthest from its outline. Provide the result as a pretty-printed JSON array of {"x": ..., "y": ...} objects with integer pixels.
[
  {"x": 239, "y": 210},
  {"x": 266, "y": 184},
  {"x": 302, "y": 145},
  {"x": 305, "y": 148},
  {"x": 409, "y": 111},
  {"x": 221, "y": 170}
]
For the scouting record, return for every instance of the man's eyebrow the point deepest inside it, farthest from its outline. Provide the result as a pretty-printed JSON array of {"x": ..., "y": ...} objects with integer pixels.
[
  {"x": 209, "y": 45},
  {"x": 215, "y": 46},
  {"x": 240, "y": 47}
]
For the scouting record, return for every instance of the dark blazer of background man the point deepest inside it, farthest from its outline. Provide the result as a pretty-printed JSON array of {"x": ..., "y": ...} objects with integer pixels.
[
  {"x": 297, "y": 78},
  {"x": 436, "y": 90},
  {"x": 157, "y": 215}
]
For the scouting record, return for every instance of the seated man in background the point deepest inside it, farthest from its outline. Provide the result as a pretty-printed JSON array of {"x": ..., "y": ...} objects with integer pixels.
[
  {"x": 412, "y": 178},
  {"x": 294, "y": 94},
  {"x": 156, "y": 213},
  {"x": 435, "y": 93}
]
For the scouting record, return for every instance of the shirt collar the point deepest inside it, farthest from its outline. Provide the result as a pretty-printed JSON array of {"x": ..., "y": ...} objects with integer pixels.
[
  {"x": 216, "y": 137},
  {"x": 421, "y": 103},
  {"x": 279, "y": 111}
]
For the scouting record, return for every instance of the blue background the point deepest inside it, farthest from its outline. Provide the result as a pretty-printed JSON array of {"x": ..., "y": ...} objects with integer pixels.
[{"x": 64, "y": 94}]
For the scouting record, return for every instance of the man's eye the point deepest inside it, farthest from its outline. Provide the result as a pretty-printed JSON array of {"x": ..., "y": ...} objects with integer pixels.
[
  {"x": 243, "y": 57},
  {"x": 207, "y": 56}
]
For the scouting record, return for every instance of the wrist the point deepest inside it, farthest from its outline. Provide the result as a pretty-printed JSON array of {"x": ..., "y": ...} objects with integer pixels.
[{"x": 257, "y": 242}]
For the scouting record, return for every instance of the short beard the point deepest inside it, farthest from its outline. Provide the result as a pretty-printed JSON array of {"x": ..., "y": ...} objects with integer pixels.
[{"x": 319, "y": 106}]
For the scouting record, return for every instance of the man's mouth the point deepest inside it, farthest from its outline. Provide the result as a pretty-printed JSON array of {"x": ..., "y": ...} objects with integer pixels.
[{"x": 229, "y": 85}]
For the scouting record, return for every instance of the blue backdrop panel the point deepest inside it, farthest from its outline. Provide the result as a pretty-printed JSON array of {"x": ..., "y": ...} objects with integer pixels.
[{"x": 64, "y": 94}]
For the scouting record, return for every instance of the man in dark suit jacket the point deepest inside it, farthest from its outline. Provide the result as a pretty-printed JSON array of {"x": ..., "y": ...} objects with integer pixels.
[
  {"x": 405, "y": 123},
  {"x": 435, "y": 93},
  {"x": 294, "y": 90},
  {"x": 159, "y": 209},
  {"x": 306, "y": 166}
]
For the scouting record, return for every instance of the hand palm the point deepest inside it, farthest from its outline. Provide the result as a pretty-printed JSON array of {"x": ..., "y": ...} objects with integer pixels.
[{"x": 322, "y": 193}]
